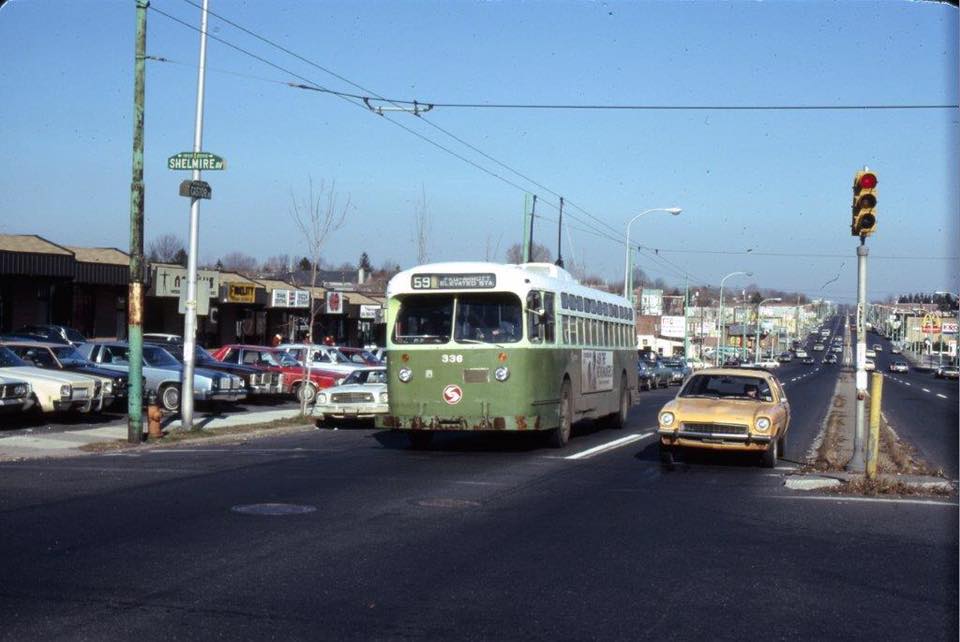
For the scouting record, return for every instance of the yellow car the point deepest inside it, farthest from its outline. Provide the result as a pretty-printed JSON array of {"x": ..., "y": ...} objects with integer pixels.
[{"x": 727, "y": 409}]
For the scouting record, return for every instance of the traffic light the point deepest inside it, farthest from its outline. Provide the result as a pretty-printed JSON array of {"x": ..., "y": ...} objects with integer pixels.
[{"x": 864, "y": 219}]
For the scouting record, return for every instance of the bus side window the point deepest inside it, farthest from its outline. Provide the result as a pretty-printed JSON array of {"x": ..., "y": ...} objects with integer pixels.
[
  {"x": 548, "y": 320},
  {"x": 534, "y": 321}
]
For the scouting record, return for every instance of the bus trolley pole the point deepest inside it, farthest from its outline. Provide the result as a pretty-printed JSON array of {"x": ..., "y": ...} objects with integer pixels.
[{"x": 190, "y": 311}]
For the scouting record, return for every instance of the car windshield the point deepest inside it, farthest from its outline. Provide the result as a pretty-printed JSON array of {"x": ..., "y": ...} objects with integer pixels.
[
  {"x": 70, "y": 356},
  {"x": 39, "y": 357},
  {"x": 158, "y": 357},
  {"x": 424, "y": 318},
  {"x": 74, "y": 336},
  {"x": 366, "y": 376},
  {"x": 9, "y": 360},
  {"x": 488, "y": 318},
  {"x": 727, "y": 386}
]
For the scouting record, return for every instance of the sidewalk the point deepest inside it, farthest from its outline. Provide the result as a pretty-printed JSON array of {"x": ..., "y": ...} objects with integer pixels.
[{"x": 68, "y": 444}]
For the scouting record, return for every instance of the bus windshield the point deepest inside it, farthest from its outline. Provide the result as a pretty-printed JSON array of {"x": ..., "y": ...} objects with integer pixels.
[
  {"x": 424, "y": 318},
  {"x": 489, "y": 318}
]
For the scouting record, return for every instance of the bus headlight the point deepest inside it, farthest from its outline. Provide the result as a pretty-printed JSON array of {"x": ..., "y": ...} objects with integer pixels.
[
  {"x": 384, "y": 398},
  {"x": 666, "y": 419},
  {"x": 501, "y": 374},
  {"x": 66, "y": 391},
  {"x": 763, "y": 424},
  {"x": 405, "y": 375}
]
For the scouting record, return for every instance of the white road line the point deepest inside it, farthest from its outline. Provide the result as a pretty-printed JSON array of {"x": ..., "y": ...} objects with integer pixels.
[
  {"x": 925, "y": 389},
  {"x": 610, "y": 445},
  {"x": 908, "y": 383},
  {"x": 876, "y": 500},
  {"x": 941, "y": 396}
]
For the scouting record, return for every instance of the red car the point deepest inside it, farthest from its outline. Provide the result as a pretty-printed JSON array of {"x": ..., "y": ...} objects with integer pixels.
[{"x": 284, "y": 365}]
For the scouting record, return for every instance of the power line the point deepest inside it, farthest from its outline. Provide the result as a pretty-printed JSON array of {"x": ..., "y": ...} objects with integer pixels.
[
  {"x": 803, "y": 255},
  {"x": 398, "y": 103},
  {"x": 599, "y": 107}
]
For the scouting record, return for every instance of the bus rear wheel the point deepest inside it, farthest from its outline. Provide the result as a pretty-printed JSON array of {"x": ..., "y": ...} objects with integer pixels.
[{"x": 560, "y": 435}]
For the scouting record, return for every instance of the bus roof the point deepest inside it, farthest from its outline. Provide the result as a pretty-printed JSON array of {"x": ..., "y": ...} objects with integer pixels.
[{"x": 509, "y": 277}]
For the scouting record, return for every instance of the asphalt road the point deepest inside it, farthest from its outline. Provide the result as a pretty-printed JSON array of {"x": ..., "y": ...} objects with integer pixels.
[
  {"x": 481, "y": 537},
  {"x": 921, "y": 409}
]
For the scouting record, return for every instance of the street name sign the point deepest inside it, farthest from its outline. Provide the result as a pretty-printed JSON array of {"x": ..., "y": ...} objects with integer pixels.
[
  {"x": 196, "y": 160},
  {"x": 196, "y": 189}
]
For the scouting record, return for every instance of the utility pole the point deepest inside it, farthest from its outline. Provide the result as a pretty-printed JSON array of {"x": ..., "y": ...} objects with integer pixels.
[
  {"x": 559, "y": 261},
  {"x": 686, "y": 302},
  {"x": 528, "y": 217},
  {"x": 190, "y": 311},
  {"x": 135, "y": 288}
]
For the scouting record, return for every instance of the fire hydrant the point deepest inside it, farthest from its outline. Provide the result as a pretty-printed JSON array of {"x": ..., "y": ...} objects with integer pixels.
[{"x": 154, "y": 415}]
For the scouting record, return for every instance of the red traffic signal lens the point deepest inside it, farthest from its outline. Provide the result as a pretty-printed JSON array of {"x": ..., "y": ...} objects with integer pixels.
[{"x": 868, "y": 181}]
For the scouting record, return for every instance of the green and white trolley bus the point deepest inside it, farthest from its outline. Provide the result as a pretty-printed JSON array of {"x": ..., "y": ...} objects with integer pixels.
[{"x": 485, "y": 346}]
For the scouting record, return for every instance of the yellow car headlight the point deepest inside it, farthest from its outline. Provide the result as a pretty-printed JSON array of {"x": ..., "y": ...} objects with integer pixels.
[
  {"x": 667, "y": 419},
  {"x": 763, "y": 424}
]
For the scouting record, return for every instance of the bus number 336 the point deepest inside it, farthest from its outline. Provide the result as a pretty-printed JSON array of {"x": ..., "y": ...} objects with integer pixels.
[{"x": 452, "y": 358}]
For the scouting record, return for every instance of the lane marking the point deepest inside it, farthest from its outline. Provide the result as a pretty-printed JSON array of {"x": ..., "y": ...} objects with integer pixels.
[
  {"x": 875, "y": 500},
  {"x": 908, "y": 383},
  {"x": 610, "y": 445},
  {"x": 941, "y": 396},
  {"x": 925, "y": 389}
]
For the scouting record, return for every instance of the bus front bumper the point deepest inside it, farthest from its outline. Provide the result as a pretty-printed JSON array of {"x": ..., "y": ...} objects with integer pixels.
[{"x": 516, "y": 423}]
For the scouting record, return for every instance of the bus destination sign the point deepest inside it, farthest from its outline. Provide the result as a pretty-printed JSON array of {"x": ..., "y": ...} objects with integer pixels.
[{"x": 482, "y": 281}]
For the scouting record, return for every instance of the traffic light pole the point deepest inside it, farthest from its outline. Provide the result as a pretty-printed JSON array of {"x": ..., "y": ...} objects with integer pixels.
[
  {"x": 857, "y": 463},
  {"x": 190, "y": 311}
]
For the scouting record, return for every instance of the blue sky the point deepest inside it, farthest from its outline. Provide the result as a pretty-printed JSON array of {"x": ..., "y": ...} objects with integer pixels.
[{"x": 765, "y": 181}]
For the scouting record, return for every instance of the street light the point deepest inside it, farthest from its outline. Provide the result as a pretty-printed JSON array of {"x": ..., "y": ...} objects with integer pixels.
[
  {"x": 757, "y": 343},
  {"x": 720, "y": 342},
  {"x": 628, "y": 264}
]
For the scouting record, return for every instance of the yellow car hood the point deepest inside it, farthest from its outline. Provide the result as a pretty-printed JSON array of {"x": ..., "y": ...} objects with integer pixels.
[{"x": 722, "y": 411}]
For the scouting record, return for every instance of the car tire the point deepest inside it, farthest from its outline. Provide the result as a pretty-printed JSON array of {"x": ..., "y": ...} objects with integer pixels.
[
  {"x": 769, "y": 457},
  {"x": 170, "y": 397},
  {"x": 782, "y": 446},
  {"x": 560, "y": 436},
  {"x": 307, "y": 390},
  {"x": 420, "y": 439}
]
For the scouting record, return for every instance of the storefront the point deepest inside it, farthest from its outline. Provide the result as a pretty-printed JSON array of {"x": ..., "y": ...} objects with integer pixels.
[
  {"x": 287, "y": 310},
  {"x": 241, "y": 310}
]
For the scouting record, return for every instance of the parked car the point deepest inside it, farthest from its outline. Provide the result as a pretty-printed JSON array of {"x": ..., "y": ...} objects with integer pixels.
[
  {"x": 362, "y": 396},
  {"x": 322, "y": 357},
  {"x": 162, "y": 374},
  {"x": 50, "y": 332},
  {"x": 53, "y": 391},
  {"x": 57, "y": 356},
  {"x": 870, "y": 353},
  {"x": 725, "y": 409},
  {"x": 161, "y": 338},
  {"x": 255, "y": 380},
  {"x": 277, "y": 362},
  {"x": 869, "y": 365},
  {"x": 898, "y": 366},
  {"x": 837, "y": 349},
  {"x": 679, "y": 370},
  {"x": 361, "y": 357},
  {"x": 801, "y": 353},
  {"x": 651, "y": 374},
  {"x": 16, "y": 395},
  {"x": 877, "y": 347},
  {"x": 818, "y": 347}
]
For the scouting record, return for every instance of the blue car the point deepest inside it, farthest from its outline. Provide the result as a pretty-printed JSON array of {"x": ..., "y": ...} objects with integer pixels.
[{"x": 651, "y": 373}]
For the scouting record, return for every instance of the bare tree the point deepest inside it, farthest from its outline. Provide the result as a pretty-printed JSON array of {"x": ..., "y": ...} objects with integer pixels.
[
  {"x": 490, "y": 251},
  {"x": 276, "y": 264},
  {"x": 317, "y": 216},
  {"x": 422, "y": 227},
  {"x": 540, "y": 254},
  {"x": 239, "y": 262},
  {"x": 165, "y": 249}
]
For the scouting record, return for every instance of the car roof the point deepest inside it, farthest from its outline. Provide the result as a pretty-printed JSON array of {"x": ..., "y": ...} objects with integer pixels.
[
  {"x": 736, "y": 372},
  {"x": 31, "y": 343}
]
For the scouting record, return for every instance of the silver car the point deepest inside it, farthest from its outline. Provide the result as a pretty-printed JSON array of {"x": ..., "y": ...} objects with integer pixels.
[
  {"x": 363, "y": 395},
  {"x": 162, "y": 374}
]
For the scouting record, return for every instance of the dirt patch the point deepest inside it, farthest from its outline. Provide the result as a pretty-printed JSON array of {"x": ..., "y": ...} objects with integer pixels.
[
  {"x": 835, "y": 447},
  {"x": 223, "y": 435},
  {"x": 887, "y": 487}
]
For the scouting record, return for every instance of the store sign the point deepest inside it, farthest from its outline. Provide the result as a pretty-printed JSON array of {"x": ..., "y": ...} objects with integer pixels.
[
  {"x": 239, "y": 293},
  {"x": 203, "y": 299},
  {"x": 370, "y": 311},
  {"x": 671, "y": 326},
  {"x": 333, "y": 303},
  {"x": 948, "y": 327},
  {"x": 169, "y": 281},
  {"x": 289, "y": 299},
  {"x": 651, "y": 302}
]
